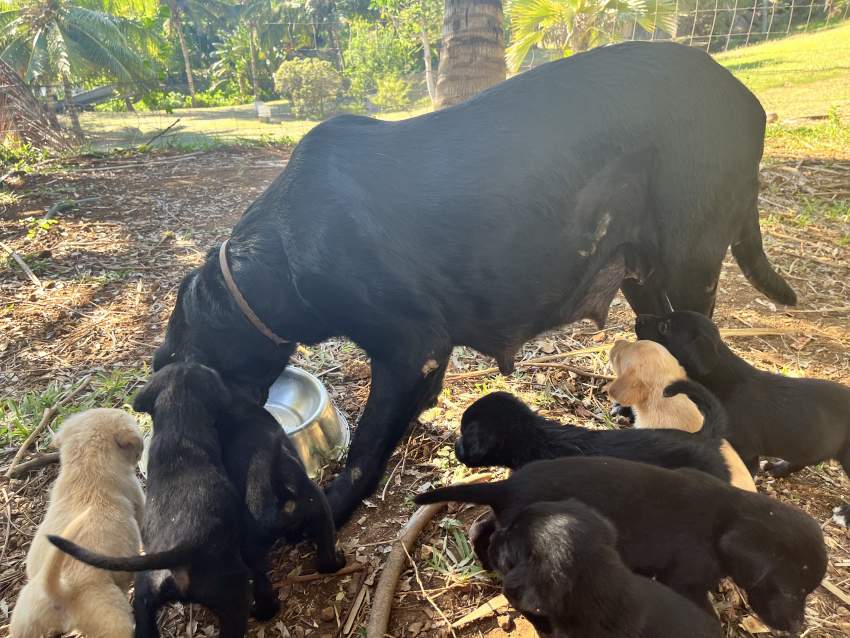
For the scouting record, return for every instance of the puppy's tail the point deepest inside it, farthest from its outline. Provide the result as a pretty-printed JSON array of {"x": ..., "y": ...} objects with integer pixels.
[
  {"x": 168, "y": 559},
  {"x": 749, "y": 253},
  {"x": 52, "y": 569},
  {"x": 492, "y": 494},
  {"x": 715, "y": 421}
]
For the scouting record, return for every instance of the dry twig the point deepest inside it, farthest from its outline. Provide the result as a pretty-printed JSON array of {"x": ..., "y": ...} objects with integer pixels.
[
  {"x": 42, "y": 460},
  {"x": 20, "y": 261},
  {"x": 48, "y": 416},
  {"x": 351, "y": 568},
  {"x": 492, "y": 606},
  {"x": 425, "y": 593}
]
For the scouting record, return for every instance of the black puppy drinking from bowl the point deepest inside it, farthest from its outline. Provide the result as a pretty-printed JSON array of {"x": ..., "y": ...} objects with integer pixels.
[
  {"x": 483, "y": 225},
  {"x": 191, "y": 525},
  {"x": 801, "y": 421},
  {"x": 559, "y": 566},
  {"x": 683, "y": 527}
]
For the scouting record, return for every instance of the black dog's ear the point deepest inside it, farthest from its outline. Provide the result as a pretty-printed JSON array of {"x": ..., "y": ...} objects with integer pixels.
[
  {"x": 145, "y": 399},
  {"x": 208, "y": 384},
  {"x": 703, "y": 355}
]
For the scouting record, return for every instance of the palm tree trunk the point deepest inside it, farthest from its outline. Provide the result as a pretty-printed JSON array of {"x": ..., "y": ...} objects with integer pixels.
[
  {"x": 426, "y": 56},
  {"x": 178, "y": 26},
  {"x": 255, "y": 85},
  {"x": 71, "y": 107},
  {"x": 473, "y": 54}
]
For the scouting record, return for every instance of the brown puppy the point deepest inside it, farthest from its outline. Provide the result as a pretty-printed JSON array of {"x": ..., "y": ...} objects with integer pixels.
[
  {"x": 97, "y": 501},
  {"x": 644, "y": 368}
]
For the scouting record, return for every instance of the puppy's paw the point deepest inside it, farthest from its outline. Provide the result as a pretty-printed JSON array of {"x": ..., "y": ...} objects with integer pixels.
[
  {"x": 265, "y": 609},
  {"x": 841, "y": 515},
  {"x": 622, "y": 411},
  {"x": 330, "y": 566},
  {"x": 778, "y": 469}
]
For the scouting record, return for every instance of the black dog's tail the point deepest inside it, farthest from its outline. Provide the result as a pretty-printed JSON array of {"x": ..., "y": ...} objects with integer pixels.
[
  {"x": 714, "y": 419},
  {"x": 492, "y": 494},
  {"x": 749, "y": 253},
  {"x": 168, "y": 559}
]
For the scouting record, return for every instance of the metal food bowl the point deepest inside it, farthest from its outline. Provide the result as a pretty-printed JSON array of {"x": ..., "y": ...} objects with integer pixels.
[{"x": 300, "y": 403}]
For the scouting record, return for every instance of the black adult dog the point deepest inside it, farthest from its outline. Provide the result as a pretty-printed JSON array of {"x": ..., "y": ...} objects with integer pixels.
[
  {"x": 560, "y": 567},
  {"x": 280, "y": 499},
  {"x": 499, "y": 429},
  {"x": 192, "y": 517},
  {"x": 801, "y": 421},
  {"x": 484, "y": 224},
  {"x": 684, "y": 527}
]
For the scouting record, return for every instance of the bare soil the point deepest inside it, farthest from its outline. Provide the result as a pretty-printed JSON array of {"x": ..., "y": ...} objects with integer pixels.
[{"x": 110, "y": 268}]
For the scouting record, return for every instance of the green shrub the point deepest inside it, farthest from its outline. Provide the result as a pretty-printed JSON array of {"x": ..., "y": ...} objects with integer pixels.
[
  {"x": 310, "y": 84},
  {"x": 161, "y": 101},
  {"x": 393, "y": 93},
  {"x": 375, "y": 51}
]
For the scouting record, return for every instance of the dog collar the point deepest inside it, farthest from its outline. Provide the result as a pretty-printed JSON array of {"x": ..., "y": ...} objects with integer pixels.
[{"x": 233, "y": 289}]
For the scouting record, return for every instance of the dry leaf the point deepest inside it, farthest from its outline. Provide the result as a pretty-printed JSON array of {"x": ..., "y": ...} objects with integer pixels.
[{"x": 754, "y": 625}]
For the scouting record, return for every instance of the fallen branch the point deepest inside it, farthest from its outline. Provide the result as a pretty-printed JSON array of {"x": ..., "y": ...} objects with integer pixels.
[
  {"x": 43, "y": 460},
  {"x": 355, "y": 609},
  {"x": 20, "y": 261},
  {"x": 492, "y": 606},
  {"x": 379, "y": 617},
  {"x": 48, "y": 416},
  {"x": 65, "y": 204},
  {"x": 351, "y": 568},
  {"x": 162, "y": 132}
]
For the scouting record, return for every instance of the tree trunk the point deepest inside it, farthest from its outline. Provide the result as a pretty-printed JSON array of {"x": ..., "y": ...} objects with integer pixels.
[
  {"x": 71, "y": 107},
  {"x": 178, "y": 26},
  {"x": 426, "y": 55},
  {"x": 473, "y": 54},
  {"x": 255, "y": 84},
  {"x": 128, "y": 104}
]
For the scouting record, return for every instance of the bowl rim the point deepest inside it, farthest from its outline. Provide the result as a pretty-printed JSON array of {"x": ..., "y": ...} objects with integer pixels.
[{"x": 324, "y": 397}]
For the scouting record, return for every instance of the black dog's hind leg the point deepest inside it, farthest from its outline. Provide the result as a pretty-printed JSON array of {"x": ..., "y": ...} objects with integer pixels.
[
  {"x": 401, "y": 390},
  {"x": 146, "y": 602},
  {"x": 266, "y": 604},
  {"x": 841, "y": 514}
]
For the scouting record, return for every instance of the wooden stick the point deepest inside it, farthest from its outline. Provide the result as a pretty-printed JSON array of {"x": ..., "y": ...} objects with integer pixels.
[
  {"x": 379, "y": 617},
  {"x": 492, "y": 606},
  {"x": 48, "y": 416},
  {"x": 531, "y": 362},
  {"x": 162, "y": 132},
  {"x": 355, "y": 609},
  {"x": 351, "y": 568},
  {"x": 835, "y": 591},
  {"x": 27, "y": 270},
  {"x": 425, "y": 593},
  {"x": 579, "y": 371},
  {"x": 42, "y": 460}
]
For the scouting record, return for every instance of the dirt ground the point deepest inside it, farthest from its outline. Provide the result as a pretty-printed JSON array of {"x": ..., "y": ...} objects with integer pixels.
[{"x": 110, "y": 268}]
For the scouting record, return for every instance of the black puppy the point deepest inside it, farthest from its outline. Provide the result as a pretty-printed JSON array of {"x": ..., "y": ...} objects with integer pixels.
[
  {"x": 499, "y": 429},
  {"x": 560, "y": 568},
  {"x": 280, "y": 499},
  {"x": 802, "y": 421},
  {"x": 682, "y": 526},
  {"x": 192, "y": 517}
]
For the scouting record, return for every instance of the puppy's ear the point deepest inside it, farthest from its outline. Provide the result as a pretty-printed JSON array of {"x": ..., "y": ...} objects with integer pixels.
[
  {"x": 703, "y": 354},
  {"x": 214, "y": 390},
  {"x": 130, "y": 443},
  {"x": 627, "y": 389},
  {"x": 145, "y": 399}
]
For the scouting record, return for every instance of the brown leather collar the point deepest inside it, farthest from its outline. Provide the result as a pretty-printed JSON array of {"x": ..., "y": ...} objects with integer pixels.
[{"x": 250, "y": 315}]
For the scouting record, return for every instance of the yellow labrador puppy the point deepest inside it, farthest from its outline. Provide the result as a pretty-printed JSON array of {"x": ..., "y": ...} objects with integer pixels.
[
  {"x": 97, "y": 501},
  {"x": 644, "y": 369}
]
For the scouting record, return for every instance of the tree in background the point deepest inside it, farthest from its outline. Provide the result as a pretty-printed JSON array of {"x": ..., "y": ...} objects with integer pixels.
[
  {"x": 50, "y": 40},
  {"x": 419, "y": 22},
  {"x": 473, "y": 54},
  {"x": 572, "y": 26},
  {"x": 375, "y": 52}
]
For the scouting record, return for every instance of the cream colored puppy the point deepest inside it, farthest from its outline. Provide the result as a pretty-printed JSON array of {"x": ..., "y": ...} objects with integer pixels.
[
  {"x": 644, "y": 369},
  {"x": 97, "y": 501}
]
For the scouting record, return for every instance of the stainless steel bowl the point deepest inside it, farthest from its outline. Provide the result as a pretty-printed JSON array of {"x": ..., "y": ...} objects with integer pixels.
[{"x": 300, "y": 403}]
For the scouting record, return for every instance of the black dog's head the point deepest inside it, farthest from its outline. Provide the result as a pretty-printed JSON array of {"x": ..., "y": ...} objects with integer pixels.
[
  {"x": 207, "y": 327},
  {"x": 492, "y": 428},
  {"x": 546, "y": 554},
  {"x": 777, "y": 555},
  {"x": 179, "y": 385},
  {"x": 689, "y": 336}
]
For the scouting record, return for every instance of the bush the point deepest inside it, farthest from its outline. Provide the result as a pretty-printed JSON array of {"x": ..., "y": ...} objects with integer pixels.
[
  {"x": 393, "y": 93},
  {"x": 374, "y": 52},
  {"x": 161, "y": 101},
  {"x": 309, "y": 84}
]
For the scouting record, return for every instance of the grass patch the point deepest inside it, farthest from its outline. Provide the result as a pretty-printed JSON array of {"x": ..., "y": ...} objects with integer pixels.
[
  {"x": 826, "y": 138},
  {"x": 111, "y": 389},
  {"x": 799, "y": 75},
  {"x": 453, "y": 557}
]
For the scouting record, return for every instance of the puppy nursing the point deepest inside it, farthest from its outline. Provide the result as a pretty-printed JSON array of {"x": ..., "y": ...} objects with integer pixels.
[
  {"x": 644, "y": 369},
  {"x": 96, "y": 501}
]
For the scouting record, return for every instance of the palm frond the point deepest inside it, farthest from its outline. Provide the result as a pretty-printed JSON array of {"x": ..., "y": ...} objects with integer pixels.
[
  {"x": 38, "y": 62},
  {"x": 518, "y": 50},
  {"x": 57, "y": 49}
]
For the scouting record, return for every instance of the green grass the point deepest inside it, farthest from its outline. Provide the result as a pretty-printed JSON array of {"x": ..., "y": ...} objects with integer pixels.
[
  {"x": 19, "y": 416},
  {"x": 453, "y": 557},
  {"x": 198, "y": 128},
  {"x": 797, "y": 76}
]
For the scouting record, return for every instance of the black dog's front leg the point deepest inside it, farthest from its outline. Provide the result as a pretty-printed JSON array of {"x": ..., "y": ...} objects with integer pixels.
[
  {"x": 323, "y": 531},
  {"x": 399, "y": 393}
]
